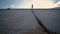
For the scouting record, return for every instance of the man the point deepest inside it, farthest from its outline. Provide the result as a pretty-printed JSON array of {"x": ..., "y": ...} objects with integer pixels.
[{"x": 32, "y": 6}]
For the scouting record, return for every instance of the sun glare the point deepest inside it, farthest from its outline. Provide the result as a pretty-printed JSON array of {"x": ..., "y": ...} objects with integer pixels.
[{"x": 12, "y": 6}]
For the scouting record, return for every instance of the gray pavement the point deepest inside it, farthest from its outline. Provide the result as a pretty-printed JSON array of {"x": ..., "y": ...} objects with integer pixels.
[
  {"x": 24, "y": 20},
  {"x": 17, "y": 20}
]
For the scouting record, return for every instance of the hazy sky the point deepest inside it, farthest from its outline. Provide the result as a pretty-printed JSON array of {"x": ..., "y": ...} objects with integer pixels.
[{"x": 27, "y": 3}]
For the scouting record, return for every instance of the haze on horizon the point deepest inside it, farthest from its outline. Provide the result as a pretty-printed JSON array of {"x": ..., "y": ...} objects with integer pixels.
[{"x": 28, "y": 3}]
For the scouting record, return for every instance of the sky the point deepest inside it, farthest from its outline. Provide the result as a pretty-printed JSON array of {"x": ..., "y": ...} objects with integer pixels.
[{"x": 28, "y": 3}]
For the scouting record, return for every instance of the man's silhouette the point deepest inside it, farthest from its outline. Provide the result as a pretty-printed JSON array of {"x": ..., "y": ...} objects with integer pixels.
[{"x": 32, "y": 6}]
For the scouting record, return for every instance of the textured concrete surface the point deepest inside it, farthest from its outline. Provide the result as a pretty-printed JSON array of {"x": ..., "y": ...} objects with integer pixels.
[{"x": 19, "y": 21}]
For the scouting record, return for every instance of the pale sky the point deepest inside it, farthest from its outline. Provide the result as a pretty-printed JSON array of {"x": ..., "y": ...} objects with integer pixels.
[
  {"x": 38, "y": 4},
  {"x": 28, "y": 3}
]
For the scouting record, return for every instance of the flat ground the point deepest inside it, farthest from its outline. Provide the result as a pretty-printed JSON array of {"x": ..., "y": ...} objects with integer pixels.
[{"x": 19, "y": 21}]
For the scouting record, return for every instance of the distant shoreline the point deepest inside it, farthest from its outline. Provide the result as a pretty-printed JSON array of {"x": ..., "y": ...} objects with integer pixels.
[{"x": 56, "y": 8}]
